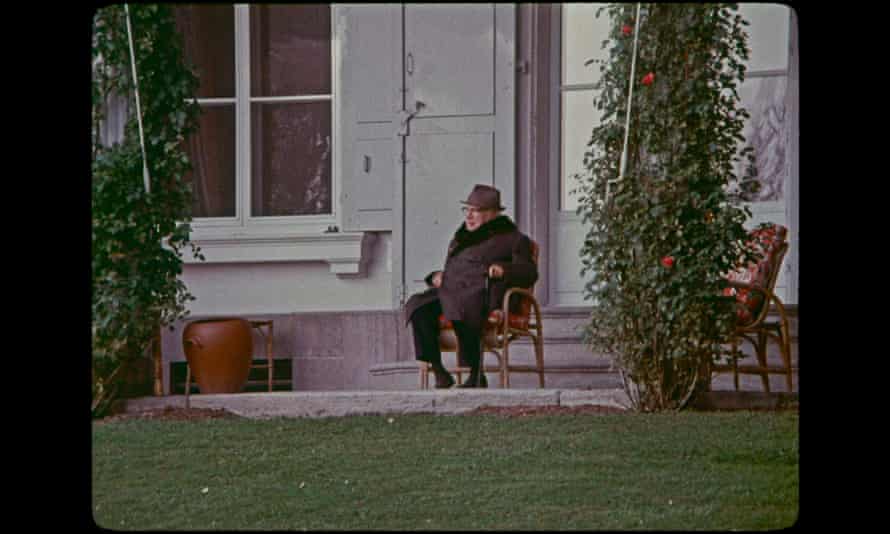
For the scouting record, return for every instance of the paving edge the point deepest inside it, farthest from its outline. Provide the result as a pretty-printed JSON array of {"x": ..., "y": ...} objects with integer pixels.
[
  {"x": 441, "y": 402},
  {"x": 342, "y": 403}
]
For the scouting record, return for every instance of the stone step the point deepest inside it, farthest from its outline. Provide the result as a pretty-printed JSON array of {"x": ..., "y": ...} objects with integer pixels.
[
  {"x": 405, "y": 376},
  {"x": 568, "y": 323},
  {"x": 563, "y": 347}
]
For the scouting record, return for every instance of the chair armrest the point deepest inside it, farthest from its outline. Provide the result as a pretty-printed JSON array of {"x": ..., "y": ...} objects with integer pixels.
[
  {"x": 770, "y": 297},
  {"x": 506, "y": 305}
]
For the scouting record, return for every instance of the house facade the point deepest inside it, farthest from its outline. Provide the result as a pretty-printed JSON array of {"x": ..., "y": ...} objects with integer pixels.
[{"x": 336, "y": 142}]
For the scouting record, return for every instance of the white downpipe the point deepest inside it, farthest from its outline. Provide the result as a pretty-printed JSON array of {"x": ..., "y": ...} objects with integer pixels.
[
  {"x": 138, "y": 107},
  {"x": 630, "y": 92}
]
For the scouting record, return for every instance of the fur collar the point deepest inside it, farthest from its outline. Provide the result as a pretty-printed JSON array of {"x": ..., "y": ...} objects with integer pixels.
[{"x": 464, "y": 238}]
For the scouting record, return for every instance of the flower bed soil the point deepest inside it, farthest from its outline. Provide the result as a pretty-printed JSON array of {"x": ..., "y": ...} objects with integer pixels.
[
  {"x": 531, "y": 411},
  {"x": 171, "y": 413}
]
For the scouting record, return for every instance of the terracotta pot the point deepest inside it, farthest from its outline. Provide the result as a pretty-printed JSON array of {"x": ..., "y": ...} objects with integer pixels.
[{"x": 219, "y": 353}]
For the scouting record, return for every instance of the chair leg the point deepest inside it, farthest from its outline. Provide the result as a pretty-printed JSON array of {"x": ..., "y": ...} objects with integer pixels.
[
  {"x": 505, "y": 367},
  {"x": 539, "y": 357},
  {"x": 500, "y": 360},
  {"x": 785, "y": 349},
  {"x": 760, "y": 349},
  {"x": 269, "y": 359},
  {"x": 735, "y": 364},
  {"x": 786, "y": 355},
  {"x": 424, "y": 375}
]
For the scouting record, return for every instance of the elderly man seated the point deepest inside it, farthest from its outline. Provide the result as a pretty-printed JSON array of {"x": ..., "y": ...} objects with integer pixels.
[{"x": 487, "y": 244}]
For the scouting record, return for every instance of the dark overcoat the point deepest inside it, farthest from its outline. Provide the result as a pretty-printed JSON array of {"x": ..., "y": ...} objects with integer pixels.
[{"x": 470, "y": 254}]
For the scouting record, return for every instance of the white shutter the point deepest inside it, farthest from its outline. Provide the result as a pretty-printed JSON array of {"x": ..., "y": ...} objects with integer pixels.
[{"x": 368, "y": 38}]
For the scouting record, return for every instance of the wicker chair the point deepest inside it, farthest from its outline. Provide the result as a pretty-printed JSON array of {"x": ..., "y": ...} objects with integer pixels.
[
  {"x": 753, "y": 287},
  {"x": 523, "y": 319}
]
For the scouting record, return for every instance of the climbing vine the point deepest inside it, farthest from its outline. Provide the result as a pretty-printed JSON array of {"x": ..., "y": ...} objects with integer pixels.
[{"x": 138, "y": 237}]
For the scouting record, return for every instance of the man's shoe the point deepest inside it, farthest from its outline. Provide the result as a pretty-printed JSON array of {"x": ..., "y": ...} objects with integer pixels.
[
  {"x": 444, "y": 380},
  {"x": 475, "y": 380}
]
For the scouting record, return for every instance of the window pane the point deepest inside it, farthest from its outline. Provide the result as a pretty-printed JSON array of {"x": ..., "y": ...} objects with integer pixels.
[
  {"x": 211, "y": 151},
  {"x": 578, "y": 119},
  {"x": 767, "y": 35},
  {"x": 582, "y": 37},
  {"x": 291, "y": 159},
  {"x": 208, "y": 35},
  {"x": 290, "y": 50},
  {"x": 767, "y": 131}
]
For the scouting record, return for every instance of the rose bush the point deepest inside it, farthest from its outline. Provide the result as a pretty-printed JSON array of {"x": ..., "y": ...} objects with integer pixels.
[{"x": 661, "y": 239}]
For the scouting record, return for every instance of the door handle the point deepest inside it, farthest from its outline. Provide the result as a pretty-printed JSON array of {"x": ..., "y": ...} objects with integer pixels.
[
  {"x": 367, "y": 163},
  {"x": 405, "y": 116}
]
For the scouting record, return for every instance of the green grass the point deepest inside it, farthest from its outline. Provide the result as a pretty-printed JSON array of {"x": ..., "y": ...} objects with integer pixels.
[{"x": 711, "y": 471}]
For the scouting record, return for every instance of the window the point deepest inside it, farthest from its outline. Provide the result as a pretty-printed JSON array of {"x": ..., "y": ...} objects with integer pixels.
[
  {"x": 769, "y": 93},
  {"x": 263, "y": 153},
  {"x": 764, "y": 96},
  {"x": 581, "y": 39}
]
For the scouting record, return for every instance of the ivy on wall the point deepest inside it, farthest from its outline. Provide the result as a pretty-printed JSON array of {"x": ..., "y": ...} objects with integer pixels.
[
  {"x": 662, "y": 238},
  {"x": 138, "y": 237}
]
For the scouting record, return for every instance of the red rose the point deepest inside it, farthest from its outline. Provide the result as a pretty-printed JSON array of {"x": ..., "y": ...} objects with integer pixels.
[
  {"x": 649, "y": 78},
  {"x": 667, "y": 261},
  {"x": 626, "y": 30}
]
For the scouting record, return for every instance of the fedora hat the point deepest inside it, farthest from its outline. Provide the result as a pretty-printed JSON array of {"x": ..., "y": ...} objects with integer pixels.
[{"x": 484, "y": 197}]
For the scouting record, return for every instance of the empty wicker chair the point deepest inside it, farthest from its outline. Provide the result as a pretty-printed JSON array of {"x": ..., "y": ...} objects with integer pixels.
[{"x": 753, "y": 287}]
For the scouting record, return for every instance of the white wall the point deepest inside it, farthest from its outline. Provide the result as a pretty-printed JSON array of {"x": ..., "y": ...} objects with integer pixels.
[{"x": 287, "y": 287}]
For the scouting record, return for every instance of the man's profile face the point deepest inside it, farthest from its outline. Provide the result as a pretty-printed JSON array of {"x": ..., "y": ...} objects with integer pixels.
[{"x": 475, "y": 217}]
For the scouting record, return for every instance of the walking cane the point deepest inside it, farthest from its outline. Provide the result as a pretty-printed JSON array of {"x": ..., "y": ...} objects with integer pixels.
[{"x": 485, "y": 312}]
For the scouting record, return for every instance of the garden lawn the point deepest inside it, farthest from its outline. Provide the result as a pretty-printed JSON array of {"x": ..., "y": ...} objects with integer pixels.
[{"x": 711, "y": 471}]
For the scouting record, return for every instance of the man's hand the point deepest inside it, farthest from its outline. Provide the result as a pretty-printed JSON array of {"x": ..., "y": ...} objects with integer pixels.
[
  {"x": 437, "y": 279},
  {"x": 495, "y": 271}
]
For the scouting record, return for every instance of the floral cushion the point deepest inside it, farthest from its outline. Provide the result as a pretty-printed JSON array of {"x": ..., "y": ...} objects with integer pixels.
[
  {"x": 495, "y": 319},
  {"x": 768, "y": 238}
]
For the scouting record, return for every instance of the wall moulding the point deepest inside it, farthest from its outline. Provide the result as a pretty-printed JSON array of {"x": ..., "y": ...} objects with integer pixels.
[{"x": 346, "y": 253}]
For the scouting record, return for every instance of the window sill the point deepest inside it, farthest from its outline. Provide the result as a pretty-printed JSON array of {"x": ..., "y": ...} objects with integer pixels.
[{"x": 346, "y": 253}]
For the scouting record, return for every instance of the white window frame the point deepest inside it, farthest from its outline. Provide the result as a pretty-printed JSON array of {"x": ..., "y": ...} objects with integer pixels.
[
  {"x": 562, "y": 221},
  {"x": 248, "y": 238}
]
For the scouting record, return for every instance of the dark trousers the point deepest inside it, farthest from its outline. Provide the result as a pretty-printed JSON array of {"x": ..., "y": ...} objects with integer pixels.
[{"x": 425, "y": 325}]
